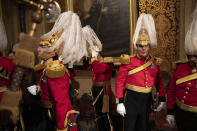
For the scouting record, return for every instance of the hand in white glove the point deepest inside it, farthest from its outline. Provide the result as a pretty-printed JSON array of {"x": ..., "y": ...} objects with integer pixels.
[
  {"x": 70, "y": 65},
  {"x": 160, "y": 106},
  {"x": 121, "y": 109},
  {"x": 95, "y": 51},
  {"x": 170, "y": 119},
  {"x": 34, "y": 89}
]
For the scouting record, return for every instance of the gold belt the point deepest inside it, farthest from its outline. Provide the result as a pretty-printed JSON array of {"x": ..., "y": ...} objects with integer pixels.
[
  {"x": 185, "y": 107},
  {"x": 98, "y": 83},
  {"x": 101, "y": 83},
  {"x": 139, "y": 88}
]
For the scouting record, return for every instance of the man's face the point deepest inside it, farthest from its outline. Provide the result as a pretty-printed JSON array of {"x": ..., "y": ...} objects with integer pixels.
[
  {"x": 43, "y": 53},
  {"x": 11, "y": 55},
  {"x": 192, "y": 58},
  {"x": 143, "y": 50}
]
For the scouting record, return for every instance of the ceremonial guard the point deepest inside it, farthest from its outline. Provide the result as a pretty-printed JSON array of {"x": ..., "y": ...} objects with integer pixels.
[
  {"x": 102, "y": 68},
  {"x": 137, "y": 75},
  {"x": 63, "y": 44},
  {"x": 6, "y": 69},
  {"x": 6, "y": 65},
  {"x": 182, "y": 91}
]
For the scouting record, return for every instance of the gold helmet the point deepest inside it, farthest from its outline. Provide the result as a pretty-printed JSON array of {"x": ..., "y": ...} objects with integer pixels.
[
  {"x": 51, "y": 40},
  {"x": 143, "y": 38},
  {"x": 66, "y": 38},
  {"x": 145, "y": 32}
]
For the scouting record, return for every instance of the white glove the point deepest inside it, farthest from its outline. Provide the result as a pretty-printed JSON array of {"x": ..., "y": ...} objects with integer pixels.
[
  {"x": 34, "y": 89},
  {"x": 121, "y": 109},
  {"x": 160, "y": 106},
  {"x": 94, "y": 53},
  {"x": 70, "y": 65},
  {"x": 170, "y": 119}
]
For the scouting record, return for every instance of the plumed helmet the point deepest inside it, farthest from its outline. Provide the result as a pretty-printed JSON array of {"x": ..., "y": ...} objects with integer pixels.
[
  {"x": 191, "y": 36},
  {"x": 145, "y": 32},
  {"x": 66, "y": 37}
]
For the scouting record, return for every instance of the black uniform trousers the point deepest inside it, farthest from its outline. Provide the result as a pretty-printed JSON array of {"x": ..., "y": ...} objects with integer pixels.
[
  {"x": 137, "y": 106},
  {"x": 185, "y": 120},
  {"x": 103, "y": 119}
]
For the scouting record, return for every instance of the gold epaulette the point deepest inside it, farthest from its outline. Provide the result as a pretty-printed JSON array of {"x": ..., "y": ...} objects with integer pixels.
[
  {"x": 174, "y": 64},
  {"x": 39, "y": 67},
  {"x": 102, "y": 60},
  {"x": 54, "y": 69},
  {"x": 158, "y": 61},
  {"x": 125, "y": 59},
  {"x": 108, "y": 60},
  {"x": 93, "y": 59}
]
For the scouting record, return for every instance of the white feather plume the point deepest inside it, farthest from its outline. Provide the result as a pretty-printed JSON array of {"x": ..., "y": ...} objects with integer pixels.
[
  {"x": 91, "y": 38},
  {"x": 74, "y": 44},
  {"x": 3, "y": 37},
  {"x": 191, "y": 36},
  {"x": 146, "y": 21}
]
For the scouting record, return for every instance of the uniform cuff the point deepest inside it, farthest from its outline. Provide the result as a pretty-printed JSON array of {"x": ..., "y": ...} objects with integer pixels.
[
  {"x": 162, "y": 98},
  {"x": 170, "y": 111},
  {"x": 119, "y": 100},
  {"x": 71, "y": 69}
]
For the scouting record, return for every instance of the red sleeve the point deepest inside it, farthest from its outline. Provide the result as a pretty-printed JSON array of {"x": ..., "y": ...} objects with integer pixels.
[
  {"x": 171, "y": 95},
  {"x": 59, "y": 88},
  {"x": 159, "y": 84},
  {"x": 99, "y": 67},
  {"x": 120, "y": 81}
]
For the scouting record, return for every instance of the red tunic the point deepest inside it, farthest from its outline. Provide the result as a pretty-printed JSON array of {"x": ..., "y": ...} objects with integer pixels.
[
  {"x": 102, "y": 72},
  {"x": 7, "y": 67},
  {"x": 148, "y": 77},
  {"x": 57, "y": 89},
  {"x": 185, "y": 92}
]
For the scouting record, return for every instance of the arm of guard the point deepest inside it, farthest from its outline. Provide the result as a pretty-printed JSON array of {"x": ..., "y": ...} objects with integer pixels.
[
  {"x": 120, "y": 82},
  {"x": 171, "y": 95}
]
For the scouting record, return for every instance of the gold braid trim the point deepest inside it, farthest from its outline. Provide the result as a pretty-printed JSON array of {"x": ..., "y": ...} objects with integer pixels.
[
  {"x": 142, "y": 67},
  {"x": 103, "y": 60},
  {"x": 186, "y": 78},
  {"x": 54, "y": 69},
  {"x": 108, "y": 60},
  {"x": 93, "y": 59},
  {"x": 67, "y": 117},
  {"x": 97, "y": 97},
  {"x": 39, "y": 67},
  {"x": 186, "y": 107},
  {"x": 4, "y": 73},
  {"x": 110, "y": 122}
]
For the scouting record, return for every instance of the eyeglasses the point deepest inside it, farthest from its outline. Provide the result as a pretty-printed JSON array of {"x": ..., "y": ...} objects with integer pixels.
[{"x": 141, "y": 46}]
